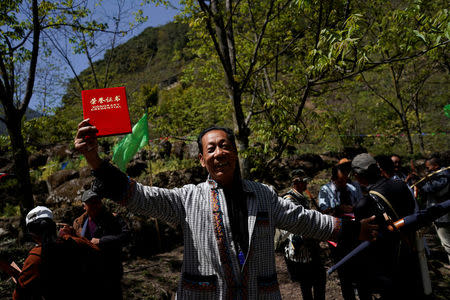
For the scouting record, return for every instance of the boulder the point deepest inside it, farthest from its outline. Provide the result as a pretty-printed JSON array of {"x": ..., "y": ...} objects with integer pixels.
[
  {"x": 164, "y": 149},
  {"x": 40, "y": 187},
  {"x": 67, "y": 213},
  {"x": 37, "y": 160},
  {"x": 329, "y": 160},
  {"x": 136, "y": 167},
  {"x": 10, "y": 227},
  {"x": 60, "y": 177},
  {"x": 85, "y": 172},
  {"x": 311, "y": 163},
  {"x": 190, "y": 150},
  {"x": 151, "y": 236},
  {"x": 278, "y": 175},
  {"x": 178, "y": 149},
  {"x": 40, "y": 192},
  {"x": 179, "y": 178},
  {"x": 3, "y": 232},
  {"x": 69, "y": 191},
  {"x": 60, "y": 152}
]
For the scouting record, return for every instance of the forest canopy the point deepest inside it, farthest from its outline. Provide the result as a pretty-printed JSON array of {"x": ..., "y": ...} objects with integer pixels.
[{"x": 309, "y": 76}]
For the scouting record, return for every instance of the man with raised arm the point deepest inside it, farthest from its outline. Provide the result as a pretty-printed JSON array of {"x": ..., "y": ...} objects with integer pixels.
[{"x": 228, "y": 223}]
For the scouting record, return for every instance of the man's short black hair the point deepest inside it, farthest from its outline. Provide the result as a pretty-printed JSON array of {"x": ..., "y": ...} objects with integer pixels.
[
  {"x": 345, "y": 169},
  {"x": 385, "y": 164},
  {"x": 228, "y": 131}
]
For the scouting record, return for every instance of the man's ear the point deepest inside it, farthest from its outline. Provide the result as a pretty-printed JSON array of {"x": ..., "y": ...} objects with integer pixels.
[{"x": 202, "y": 162}]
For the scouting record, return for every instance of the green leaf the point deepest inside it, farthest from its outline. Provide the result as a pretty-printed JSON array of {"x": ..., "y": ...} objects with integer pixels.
[{"x": 420, "y": 35}]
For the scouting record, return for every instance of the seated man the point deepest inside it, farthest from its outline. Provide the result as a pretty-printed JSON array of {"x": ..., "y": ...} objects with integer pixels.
[
  {"x": 228, "y": 223},
  {"x": 109, "y": 233}
]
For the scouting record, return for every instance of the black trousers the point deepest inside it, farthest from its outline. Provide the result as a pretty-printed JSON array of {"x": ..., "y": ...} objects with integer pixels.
[{"x": 311, "y": 277}]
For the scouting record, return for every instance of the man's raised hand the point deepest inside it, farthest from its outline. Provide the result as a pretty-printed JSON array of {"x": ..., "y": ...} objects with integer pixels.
[{"x": 86, "y": 143}]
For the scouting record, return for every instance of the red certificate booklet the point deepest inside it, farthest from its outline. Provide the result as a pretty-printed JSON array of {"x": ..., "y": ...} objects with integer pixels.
[{"x": 108, "y": 110}]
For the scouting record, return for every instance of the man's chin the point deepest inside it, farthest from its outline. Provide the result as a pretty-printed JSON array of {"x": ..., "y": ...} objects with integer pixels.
[{"x": 222, "y": 179}]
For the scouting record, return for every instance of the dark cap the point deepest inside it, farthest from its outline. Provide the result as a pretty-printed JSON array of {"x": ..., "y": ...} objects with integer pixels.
[
  {"x": 300, "y": 174},
  {"x": 363, "y": 162},
  {"x": 88, "y": 195}
]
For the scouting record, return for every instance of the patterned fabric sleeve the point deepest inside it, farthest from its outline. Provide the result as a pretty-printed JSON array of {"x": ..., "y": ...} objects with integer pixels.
[
  {"x": 298, "y": 220},
  {"x": 164, "y": 204}
]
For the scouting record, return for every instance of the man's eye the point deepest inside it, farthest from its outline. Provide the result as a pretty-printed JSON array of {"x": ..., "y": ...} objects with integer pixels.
[{"x": 210, "y": 149}]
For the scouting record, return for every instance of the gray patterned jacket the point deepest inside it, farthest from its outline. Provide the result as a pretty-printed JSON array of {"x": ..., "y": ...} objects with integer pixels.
[{"x": 210, "y": 268}]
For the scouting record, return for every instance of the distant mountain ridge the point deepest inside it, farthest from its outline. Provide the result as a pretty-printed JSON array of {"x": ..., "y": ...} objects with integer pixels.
[{"x": 153, "y": 57}]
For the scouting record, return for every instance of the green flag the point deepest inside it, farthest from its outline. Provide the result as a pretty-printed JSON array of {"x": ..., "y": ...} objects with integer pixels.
[
  {"x": 447, "y": 110},
  {"x": 131, "y": 143}
]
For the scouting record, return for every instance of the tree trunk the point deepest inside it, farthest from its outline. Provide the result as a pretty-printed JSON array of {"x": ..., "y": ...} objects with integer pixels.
[
  {"x": 241, "y": 129},
  {"x": 408, "y": 134},
  {"x": 21, "y": 167},
  {"x": 419, "y": 130},
  {"x": 396, "y": 75}
]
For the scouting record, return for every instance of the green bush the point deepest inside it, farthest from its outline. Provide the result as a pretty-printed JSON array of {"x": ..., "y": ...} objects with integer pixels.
[
  {"x": 11, "y": 210},
  {"x": 171, "y": 164}
]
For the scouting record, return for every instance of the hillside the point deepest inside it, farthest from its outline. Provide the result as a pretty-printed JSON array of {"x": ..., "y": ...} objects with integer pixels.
[{"x": 153, "y": 57}]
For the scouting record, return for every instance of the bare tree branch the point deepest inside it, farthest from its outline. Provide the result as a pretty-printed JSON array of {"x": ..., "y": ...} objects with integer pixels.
[
  {"x": 6, "y": 85},
  {"x": 113, "y": 43},
  {"x": 33, "y": 60},
  {"x": 257, "y": 46},
  {"x": 373, "y": 65},
  {"x": 64, "y": 55},
  {"x": 380, "y": 96}
]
